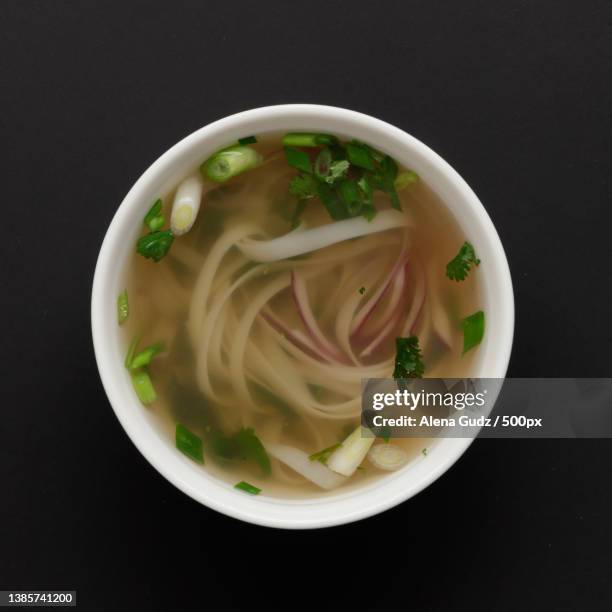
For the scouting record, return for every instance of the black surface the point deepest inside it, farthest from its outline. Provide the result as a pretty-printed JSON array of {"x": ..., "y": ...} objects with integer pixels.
[{"x": 515, "y": 95}]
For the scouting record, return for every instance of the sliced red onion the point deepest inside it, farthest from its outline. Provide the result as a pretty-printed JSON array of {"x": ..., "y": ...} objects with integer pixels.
[
  {"x": 418, "y": 299},
  {"x": 393, "y": 306},
  {"x": 300, "y": 296},
  {"x": 364, "y": 314},
  {"x": 382, "y": 335},
  {"x": 296, "y": 337}
]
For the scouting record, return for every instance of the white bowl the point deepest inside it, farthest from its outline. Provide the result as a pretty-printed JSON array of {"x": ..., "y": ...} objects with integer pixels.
[{"x": 109, "y": 281}]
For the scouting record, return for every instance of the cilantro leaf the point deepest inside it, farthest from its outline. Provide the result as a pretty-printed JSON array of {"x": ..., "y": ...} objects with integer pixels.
[
  {"x": 408, "y": 358},
  {"x": 303, "y": 186},
  {"x": 329, "y": 170},
  {"x": 458, "y": 268}
]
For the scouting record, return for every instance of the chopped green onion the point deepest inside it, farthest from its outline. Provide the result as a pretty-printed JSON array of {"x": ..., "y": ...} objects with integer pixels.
[
  {"x": 247, "y": 488},
  {"x": 359, "y": 155},
  {"x": 323, "y": 455},
  {"x": 154, "y": 219},
  {"x": 298, "y": 139},
  {"x": 322, "y": 164},
  {"x": 230, "y": 162},
  {"x": 247, "y": 140},
  {"x": 131, "y": 352},
  {"x": 298, "y": 159},
  {"x": 123, "y": 308},
  {"x": 388, "y": 457},
  {"x": 473, "y": 330},
  {"x": 146, "y": 356},
  {"x": 336, "y": 209},
  {"x": 186, "y": 205},
  {"x": 155, "y": 245},
  {"x": 362, "y": 290},
  {"x": 250, "y": 448},
  {"x": 143, "y": 386},
  {"x": 349, "y": 193},
  {"x": 189, "y": 444},
  {"x": 406, "y": 178},
  {"x": 349, "y": 455}
]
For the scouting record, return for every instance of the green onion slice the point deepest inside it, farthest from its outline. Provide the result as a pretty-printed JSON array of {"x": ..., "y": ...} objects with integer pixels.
[
  {"x": 247, "y": 488},
  {"x": 473, "y": 330},
  {"x": 143, "y": 386},
  {"x": 189, "y": 444},
  {"x": 123, "y": 307},
  {"x": 230, "y": 162}
]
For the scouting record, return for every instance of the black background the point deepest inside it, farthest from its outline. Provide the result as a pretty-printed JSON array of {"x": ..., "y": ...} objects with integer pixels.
[{"x": 515, "y": 95}]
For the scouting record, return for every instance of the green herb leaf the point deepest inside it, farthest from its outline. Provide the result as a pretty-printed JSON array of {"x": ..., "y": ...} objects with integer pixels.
[
  {"x": 303, "y": 186},
  {"x": 189, "y": 444},
  {"x": 362, "y": 290},
  {"x": 156, "y": 245},
  {"x": 335, "y": 207},
  {"x": 359, "y": 155},
  {"x": 247, "y": 488},
  {"x": 247, "y": 140},
  {"x": 408, "y": 358},
  {"x": 329, "y": 170},
  {"x": 458, "y": 268},
  {"x": 323, "y": 455},
  {"x": 145, "y": 356},
  {"x": 123, "y": 308},
  {"x": 298, "y": 159},
  {"x": 144, "y": 387},
  {"x": 349, "y": 193},
  {"x": 154, "y": 219},
  {"x": 473, "y": 330}
]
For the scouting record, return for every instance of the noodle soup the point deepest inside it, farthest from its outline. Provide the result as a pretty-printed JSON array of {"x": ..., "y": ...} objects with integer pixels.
[{"x": 269, "y": 283}]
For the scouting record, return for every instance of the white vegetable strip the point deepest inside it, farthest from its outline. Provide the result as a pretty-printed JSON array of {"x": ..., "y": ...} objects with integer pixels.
[
  {"x": 298, "y": 287},
  {"x": 300, "y": 462},
  {"x": 392, "y": 306},
  {"x": 300, "y": 242},
  {"x": 186, "y": 205},
  {"x": 418, "y": 299},
  {"x": 368, "y": 308},
  {"x": 346, "y": 459},
  {"x": 388, "y": 457}
]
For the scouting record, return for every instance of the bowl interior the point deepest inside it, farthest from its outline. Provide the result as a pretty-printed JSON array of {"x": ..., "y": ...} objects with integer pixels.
[{"x": 110, "y": 277}]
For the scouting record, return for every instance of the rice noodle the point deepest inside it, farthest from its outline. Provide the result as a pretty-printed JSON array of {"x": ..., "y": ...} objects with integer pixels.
[{"x": 301, "y": 242}]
